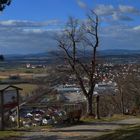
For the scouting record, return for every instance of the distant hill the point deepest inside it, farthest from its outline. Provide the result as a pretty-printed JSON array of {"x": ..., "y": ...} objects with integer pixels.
[
  {"x": 50, "y": 58},
  {"x": 103, "y": 52},
  {"x": 119, "y": 52},
  {"x": 53, "y": 54}
]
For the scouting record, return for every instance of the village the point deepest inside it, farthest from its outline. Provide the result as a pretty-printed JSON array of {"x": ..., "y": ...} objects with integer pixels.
[
  {"x": 56, "y": 104},
  {"x": 69, "y": 70}
]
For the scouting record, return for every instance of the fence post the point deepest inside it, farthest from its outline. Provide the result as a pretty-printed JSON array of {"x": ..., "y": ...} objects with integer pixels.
[{"x": 2, "y": 111}]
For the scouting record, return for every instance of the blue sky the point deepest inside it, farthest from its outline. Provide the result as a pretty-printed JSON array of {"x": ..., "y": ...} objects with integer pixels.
[{"x": 26, "y": 25}]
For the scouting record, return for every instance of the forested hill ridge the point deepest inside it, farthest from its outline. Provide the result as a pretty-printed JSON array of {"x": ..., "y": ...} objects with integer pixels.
[
  {"x": 101, "y": 52},
  {"x": 114, "y": 56}
]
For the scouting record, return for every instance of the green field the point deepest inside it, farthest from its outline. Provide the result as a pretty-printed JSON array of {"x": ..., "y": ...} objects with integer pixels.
[
  {"x": 9, "y": 134},
  {"x": 27, "y": 88}
]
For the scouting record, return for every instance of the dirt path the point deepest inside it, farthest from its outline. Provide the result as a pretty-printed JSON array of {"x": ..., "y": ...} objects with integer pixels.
[{"x": 79, "y": 132}]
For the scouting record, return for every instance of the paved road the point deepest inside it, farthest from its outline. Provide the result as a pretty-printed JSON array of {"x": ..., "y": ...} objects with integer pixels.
[{"x": 79, "y": 132}]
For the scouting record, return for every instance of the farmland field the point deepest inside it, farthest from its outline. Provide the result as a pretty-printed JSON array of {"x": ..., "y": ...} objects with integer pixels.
[{"x": 27, "y": 88}]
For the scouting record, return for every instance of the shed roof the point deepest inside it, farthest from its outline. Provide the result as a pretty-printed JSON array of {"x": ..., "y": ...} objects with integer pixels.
[{"x": 8, "y": 87}]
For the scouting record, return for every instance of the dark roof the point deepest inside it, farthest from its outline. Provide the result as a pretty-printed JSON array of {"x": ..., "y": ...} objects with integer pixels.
[{"x": 5, "y": 87}]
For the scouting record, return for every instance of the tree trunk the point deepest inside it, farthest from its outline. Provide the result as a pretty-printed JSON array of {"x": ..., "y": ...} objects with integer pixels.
[
  {"x": 89, "y": 105},
  {"x": 97, "y": 107},
  {"x": 122, "y": 103},
  {"x": 123, "y": 110}
]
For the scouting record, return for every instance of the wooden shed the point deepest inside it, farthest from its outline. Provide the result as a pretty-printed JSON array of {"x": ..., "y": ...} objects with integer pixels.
[{"x": 9, "y": 99}]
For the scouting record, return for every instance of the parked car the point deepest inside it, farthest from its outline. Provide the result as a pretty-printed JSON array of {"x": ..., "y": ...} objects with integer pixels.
[
  {"x": 38, "y": 117},
  {"x": 47, "y": 120}
]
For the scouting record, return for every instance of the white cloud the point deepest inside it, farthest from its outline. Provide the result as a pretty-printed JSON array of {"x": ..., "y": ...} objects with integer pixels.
[
  {"x": 119, "y": 16},
  {"x": 122, "y": 12},
  {"x": 103, "y": 10},
  {"x": 26, "y": 23},
  {"x": 34, "y": 37},
  {"x": 37, "y": 31},
  {"x": 128, "y": 9},
  {"x": 137, "y": 28},
  {"x": 119, "y": 36},
  {"x": 81, "y": 4},
  {"x": 110, "y": 9},
  {"x": 26, "y": 40},
  {"x": 18, "y": 36}
]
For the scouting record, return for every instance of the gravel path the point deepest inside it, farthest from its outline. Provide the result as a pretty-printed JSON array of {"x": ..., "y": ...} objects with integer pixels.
[{"x": 79, "y": 132}]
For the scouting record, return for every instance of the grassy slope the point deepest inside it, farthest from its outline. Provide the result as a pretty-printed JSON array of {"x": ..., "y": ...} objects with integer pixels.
[
  {"x": 126, "y": 133},
  {"x": 17, "y": 133},
  {"x": 107, "y": 119},
  {"x": 27, "y": 88},
  {"x": 129, "y": 133},
  {"x": 9, "y": 134}
]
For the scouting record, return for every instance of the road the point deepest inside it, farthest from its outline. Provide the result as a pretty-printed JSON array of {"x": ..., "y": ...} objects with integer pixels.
[{"x": 79, "y": 132}]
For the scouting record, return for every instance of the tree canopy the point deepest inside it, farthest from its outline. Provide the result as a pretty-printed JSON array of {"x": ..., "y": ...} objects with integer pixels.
[{"x": 4, "y": 3}]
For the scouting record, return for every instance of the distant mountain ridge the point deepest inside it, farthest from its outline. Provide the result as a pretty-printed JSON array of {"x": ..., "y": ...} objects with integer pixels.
[
  {"x": 119, "y": 52},
  {"x": 52, "y": 54}
]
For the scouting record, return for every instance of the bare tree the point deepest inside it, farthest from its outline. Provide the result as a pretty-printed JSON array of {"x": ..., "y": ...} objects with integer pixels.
[
  {"x": 127, "y": 96},
  {"x": 79, "y": 42}
]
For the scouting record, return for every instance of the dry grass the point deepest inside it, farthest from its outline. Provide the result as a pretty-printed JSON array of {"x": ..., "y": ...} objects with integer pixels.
[
  {"x": 115, "y": 117},
  {"x": 129, "y": 133},
  {"x": 27, "y": 88},
  {"x": 9, "y": 134}
]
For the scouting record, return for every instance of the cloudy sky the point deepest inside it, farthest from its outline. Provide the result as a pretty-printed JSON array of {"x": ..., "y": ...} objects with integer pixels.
[{"x": 26, "y": 26}]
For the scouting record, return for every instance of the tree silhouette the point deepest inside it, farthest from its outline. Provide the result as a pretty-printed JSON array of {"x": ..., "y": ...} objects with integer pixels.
[
  {"x": 1, "y": 57},
  {"x": 4, "y": 3}
]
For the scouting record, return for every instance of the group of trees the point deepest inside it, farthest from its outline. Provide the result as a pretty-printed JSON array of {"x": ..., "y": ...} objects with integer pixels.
[
  {"x": 128, "y": 92},
  {"x": 127, "y": 98}
]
